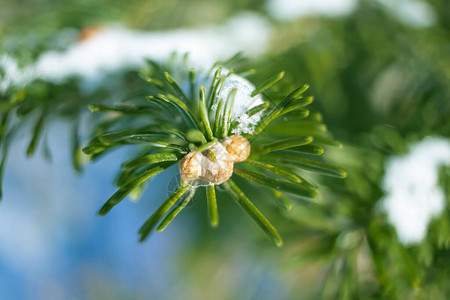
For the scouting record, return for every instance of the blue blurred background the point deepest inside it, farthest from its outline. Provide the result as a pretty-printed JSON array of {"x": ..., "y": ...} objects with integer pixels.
[{"x": 54, "y": 246}]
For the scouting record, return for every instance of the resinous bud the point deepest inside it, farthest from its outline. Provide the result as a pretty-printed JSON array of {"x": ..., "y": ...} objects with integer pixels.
[
  {"x": 238, "y": 147},
  {"x": 214, "y": 165}
]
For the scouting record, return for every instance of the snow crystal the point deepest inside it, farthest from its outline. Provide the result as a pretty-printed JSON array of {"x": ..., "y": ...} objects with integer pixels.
[
  {"x": 113, "y": 49},
  {"x": 413, "y": 196}
]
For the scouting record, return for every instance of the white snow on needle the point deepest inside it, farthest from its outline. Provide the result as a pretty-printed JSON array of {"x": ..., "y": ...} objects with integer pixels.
[{"x": 243, "y": 101}]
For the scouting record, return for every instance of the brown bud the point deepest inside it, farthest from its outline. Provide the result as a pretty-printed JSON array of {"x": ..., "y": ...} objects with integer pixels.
[
  {"x": 190, "y": 167},
  {"x": 238, "y": 147},
  {"x": 217, "y": 165}
]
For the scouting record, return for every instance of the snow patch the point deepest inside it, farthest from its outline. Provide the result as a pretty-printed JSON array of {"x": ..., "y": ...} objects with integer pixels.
[
  {"x": 413, "y": 12},
  {"x": 11, "y": 74},
  {"x": 292, "y": 9},
  {"x": 413, "y": 196},
  {"x": 113, "y": 49}
]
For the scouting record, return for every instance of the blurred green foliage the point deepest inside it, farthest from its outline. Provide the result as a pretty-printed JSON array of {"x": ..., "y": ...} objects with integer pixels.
[{"x": 380, "y": 85}]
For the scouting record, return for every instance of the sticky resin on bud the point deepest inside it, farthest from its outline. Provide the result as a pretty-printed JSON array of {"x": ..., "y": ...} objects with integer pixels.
[
  {"x": 190, "y": 167},
  {"x": 238, "y": 147},
  {"x": 214, "y": 165},
  {"x": 217, "y": 165}
]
